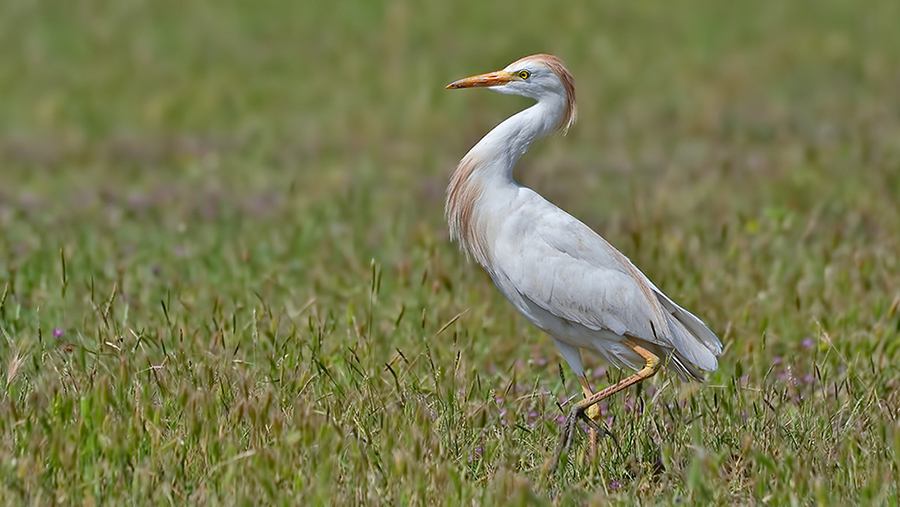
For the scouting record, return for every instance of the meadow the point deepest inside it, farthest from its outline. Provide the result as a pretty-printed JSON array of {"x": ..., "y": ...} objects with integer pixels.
[{"x": 226, "y": 278}]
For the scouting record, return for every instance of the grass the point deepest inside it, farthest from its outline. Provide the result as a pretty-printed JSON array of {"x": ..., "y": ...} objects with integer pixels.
[{"x": 225, "y": 276}]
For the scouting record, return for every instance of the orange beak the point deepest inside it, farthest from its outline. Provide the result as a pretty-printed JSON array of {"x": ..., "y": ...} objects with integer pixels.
[{"x": 490, "y": 79}]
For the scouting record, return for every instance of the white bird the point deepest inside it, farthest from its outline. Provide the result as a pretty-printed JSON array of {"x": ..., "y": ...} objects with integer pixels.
[{"x": 561, "y": 275}]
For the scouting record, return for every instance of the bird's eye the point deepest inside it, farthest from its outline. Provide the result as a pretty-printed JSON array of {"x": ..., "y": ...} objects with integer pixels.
[{"x": 524, "y": 74}]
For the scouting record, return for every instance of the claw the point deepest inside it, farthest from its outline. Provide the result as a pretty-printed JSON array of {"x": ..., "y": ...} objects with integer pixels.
[
  {"x": 569, "y": 430},
  {"x": 603, "y": 430},
  {"x": 566, "y": 438}
]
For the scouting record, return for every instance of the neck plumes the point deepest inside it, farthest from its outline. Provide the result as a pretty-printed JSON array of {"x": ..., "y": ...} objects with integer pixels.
[{"x": 488, "y": 169}]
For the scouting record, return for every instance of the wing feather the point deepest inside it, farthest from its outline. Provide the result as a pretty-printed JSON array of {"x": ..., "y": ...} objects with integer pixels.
[{"x": 571, "y": 272}]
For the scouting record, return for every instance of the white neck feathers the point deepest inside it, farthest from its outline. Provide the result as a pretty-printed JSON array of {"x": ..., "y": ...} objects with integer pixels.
[{"x": 489, "y": 166}]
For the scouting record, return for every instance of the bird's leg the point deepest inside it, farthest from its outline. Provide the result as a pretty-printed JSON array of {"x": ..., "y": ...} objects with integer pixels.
[
  {"x": 649, "y": 369},
  {"x": 593, "y": 412}
]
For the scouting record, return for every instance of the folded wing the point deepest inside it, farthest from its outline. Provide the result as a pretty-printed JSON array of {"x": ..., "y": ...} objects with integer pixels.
[{"x": 571, "y": 272}]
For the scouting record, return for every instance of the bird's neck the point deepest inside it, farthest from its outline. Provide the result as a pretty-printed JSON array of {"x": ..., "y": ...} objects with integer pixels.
[
  {"x": 501, "y": 148},
  {"x": 487, "y": 169}
]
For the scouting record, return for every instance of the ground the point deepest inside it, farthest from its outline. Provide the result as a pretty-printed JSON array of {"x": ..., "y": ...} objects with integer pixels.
[{"x": 225, "y": 275}]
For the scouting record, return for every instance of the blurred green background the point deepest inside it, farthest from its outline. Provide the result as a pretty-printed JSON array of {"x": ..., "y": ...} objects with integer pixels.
[{"x": 226, "y": 275}]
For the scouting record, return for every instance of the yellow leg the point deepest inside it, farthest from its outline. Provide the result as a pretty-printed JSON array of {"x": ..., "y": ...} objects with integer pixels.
[
  {"x": 580, "y": 408},
  {"x": 593, "y": 412}
]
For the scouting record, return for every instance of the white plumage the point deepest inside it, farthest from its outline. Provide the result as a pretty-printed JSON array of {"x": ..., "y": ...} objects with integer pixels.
[{"x": 562, "y": 276}]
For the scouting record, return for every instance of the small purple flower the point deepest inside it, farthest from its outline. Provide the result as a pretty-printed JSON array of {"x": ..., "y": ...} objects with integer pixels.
[
  {"x": 561, "y": 419},
  {"x": 599, "y": 372},
  {"x": 776, "y": 360},
  {"x": 532, "y": 415},
  {"x": 807, "y": 343},
  {"x": 541, "y": 361},
  {"x": 58, "y": 333},
  {"x": 615, "y": 485},
  {"x": 629, "y": 404}
]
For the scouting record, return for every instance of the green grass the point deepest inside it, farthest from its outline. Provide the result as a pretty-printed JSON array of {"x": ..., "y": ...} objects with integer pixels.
[{"x": 233, "y": 214}]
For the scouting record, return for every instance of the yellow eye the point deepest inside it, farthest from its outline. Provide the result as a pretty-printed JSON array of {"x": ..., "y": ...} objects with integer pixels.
[{"x": 524, "y": 74}]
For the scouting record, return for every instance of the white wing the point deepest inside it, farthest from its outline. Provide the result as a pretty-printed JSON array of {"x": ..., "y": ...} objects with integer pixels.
[{"x": 559, "y": 264}]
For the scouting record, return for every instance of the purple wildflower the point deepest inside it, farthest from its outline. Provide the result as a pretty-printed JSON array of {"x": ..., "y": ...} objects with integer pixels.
[
  {"x": 615, "y": 485},
  {"x": 58, "y": 333},
  {"x": 807, "y": 343}
]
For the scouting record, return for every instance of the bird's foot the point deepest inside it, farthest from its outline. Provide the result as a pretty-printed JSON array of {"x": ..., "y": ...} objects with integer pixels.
[{"x": 569, "y": 431}]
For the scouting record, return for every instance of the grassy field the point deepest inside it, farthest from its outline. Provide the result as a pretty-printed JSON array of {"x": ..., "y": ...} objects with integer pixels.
[{"x": 225, "y": 276}]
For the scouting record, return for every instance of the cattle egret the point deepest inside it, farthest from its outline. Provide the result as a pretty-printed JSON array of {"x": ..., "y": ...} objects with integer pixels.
[{"x": 561, "y": 275}]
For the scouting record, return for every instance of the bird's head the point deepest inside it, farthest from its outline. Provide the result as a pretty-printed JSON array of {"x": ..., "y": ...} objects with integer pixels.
[{"x": 537, "y": 76}]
